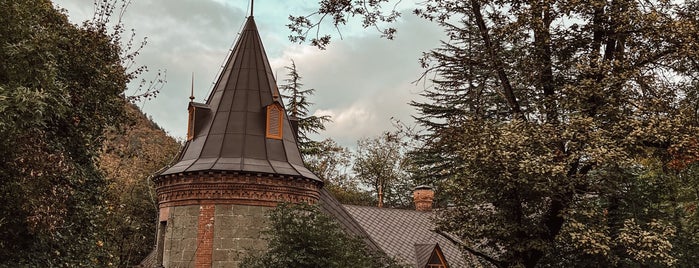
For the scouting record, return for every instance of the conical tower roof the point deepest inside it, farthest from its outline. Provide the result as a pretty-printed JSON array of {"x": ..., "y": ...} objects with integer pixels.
[{"x": 230, "y": 131}]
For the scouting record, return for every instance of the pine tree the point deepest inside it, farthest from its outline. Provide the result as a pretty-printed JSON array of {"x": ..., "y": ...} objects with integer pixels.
[
  {"x": 297, "y": 106},
  {"x": 460, "y": 87}
]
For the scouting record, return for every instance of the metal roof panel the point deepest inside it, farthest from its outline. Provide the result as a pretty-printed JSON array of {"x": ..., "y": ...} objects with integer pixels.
[{"x": 235, "y": 125}]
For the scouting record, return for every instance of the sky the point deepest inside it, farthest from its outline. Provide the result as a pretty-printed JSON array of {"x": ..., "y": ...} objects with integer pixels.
[{"x": 361, "y": 80}]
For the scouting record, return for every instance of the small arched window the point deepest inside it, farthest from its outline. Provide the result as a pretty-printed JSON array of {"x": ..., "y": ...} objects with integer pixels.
[{"x": 275, "y": 115}]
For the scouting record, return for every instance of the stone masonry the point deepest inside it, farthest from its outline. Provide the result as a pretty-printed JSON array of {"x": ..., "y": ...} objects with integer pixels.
[
  {"x": 237, "y": 233},
  {"x": 180, "y": 242},
  {"x": 213, "y": 235}
]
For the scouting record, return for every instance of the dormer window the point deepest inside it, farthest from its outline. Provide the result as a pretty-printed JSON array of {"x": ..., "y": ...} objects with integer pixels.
[
  {"x": 437, "y": 259},
  {"x": 190, "y": 124},
  {"x": 275, "y": 115},
  {"x": 198, "y": 116}
]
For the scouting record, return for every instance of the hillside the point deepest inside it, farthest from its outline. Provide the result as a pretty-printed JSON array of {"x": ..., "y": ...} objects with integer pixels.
[{"x": 130, "y": 156}]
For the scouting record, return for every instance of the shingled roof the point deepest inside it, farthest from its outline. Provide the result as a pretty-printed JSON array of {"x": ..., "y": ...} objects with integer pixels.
[
  {"x": 402, "y": 234},
  {"x": 331, "y": 206},
  {"x": 229, "y": 131}
]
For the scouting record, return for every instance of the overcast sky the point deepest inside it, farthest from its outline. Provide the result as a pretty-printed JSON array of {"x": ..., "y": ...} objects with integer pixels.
[{"x": 361, "y": 81}]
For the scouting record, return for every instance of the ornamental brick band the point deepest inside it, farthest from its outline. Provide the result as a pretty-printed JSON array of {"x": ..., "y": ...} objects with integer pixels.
[{"x": 234, "y": 188}]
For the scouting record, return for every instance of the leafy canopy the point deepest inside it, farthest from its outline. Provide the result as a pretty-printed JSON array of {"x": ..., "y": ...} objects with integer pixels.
[
  {"x": 300, "y": 235},
  {"x": 61, "y": 87},
  {"x": 130, "y": 155},
  {"x": 564, "y": 133},
  {"x": 556, "y": 121},
  {"x": 380, "y": 164}
]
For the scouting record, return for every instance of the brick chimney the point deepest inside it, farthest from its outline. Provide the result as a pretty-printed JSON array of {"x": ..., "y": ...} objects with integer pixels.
[{"x": 423, "y": 196}]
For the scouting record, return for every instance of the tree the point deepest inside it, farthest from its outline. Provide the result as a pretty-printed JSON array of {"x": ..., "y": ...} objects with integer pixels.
[
  {"x": 371, "y": 12},
  {"x": 380, "y": 164},
  {"x": 297, "y": 106},
  {"x": 333, "y": 163},
  {"x": 302, "y": 236},
  {"x": 60, "y": 86},
  {"x": 552, "y": 127},
  {"x": 326, "y": 159},
  {"x": 561, "y": 132}
]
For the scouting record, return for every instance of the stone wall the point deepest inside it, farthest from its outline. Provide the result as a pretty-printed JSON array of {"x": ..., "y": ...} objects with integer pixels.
[
  {"x": 213, "y": 235},
  {"x": 180, "y": 243},
  {"x": 237, "y": 233}
]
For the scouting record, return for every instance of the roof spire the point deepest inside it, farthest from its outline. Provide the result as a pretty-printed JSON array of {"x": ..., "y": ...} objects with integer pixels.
[
  {"x": 231, "y": 135},
  {"x": 191, "y": 95},
  {"x": 252, "y": 8}
]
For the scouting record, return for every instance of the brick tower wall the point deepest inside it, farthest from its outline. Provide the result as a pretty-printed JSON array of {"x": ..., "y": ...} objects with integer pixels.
[{"x": 217, "y": 219}]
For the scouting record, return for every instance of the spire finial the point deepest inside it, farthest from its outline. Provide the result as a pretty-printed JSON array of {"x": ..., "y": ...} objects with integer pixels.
[
  {"x": 252, "y": 8},
  {"x": 191, "y": 95}
]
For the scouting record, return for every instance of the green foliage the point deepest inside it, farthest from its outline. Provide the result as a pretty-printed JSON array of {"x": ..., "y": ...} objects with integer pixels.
[
  {"x": 326, "y": 158},
  {"x": 297, "y": 107},
  {"x": 302, "y": 236},
  {"x": 563, "y": 132},
  {"x": 332, "y": 163},
  {"x": 372, "y": 13},
  {"x": 554, "y": 140},
  {"x": 61, "y": 86},
  {"x": 380, "y": 164}
]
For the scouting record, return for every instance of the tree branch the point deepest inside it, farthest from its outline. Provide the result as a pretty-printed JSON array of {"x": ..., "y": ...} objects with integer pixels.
[
  {"x": 542, "y": 42},
  {"x": 479, "y": 254},
  {"x": 507, "y": 92}
]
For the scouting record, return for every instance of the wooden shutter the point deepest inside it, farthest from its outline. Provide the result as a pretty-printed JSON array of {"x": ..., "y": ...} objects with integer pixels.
[{"x": 274, "y": 121}]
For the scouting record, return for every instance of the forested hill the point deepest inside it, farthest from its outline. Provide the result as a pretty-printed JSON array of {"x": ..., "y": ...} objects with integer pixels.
[{"x": 131, "y": 155}]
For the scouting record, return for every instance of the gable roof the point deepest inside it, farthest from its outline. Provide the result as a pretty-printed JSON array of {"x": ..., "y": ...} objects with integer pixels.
[
  {"x": 232, "y": 136},
  {"x": 423, "y": 252},
  {"x": 398, "y": 231},
  {"x": 429, "y": 254}
]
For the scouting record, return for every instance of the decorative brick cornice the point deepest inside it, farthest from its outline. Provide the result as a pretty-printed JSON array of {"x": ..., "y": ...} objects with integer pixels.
[{"x": 234, "y": 188}]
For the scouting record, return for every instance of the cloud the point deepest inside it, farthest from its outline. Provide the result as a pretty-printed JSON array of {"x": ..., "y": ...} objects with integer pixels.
[
  {"x": 362, "y": 81},
  {"x": 184, "y": 36}
]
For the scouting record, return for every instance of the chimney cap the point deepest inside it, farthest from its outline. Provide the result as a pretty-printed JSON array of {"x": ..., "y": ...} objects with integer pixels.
[
  {"x": 423, "y": 196},
  {"x": 422, "y": 187}
]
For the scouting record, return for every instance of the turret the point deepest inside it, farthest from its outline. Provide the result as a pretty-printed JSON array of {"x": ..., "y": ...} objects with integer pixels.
[{"x": 240, "y": 159}]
